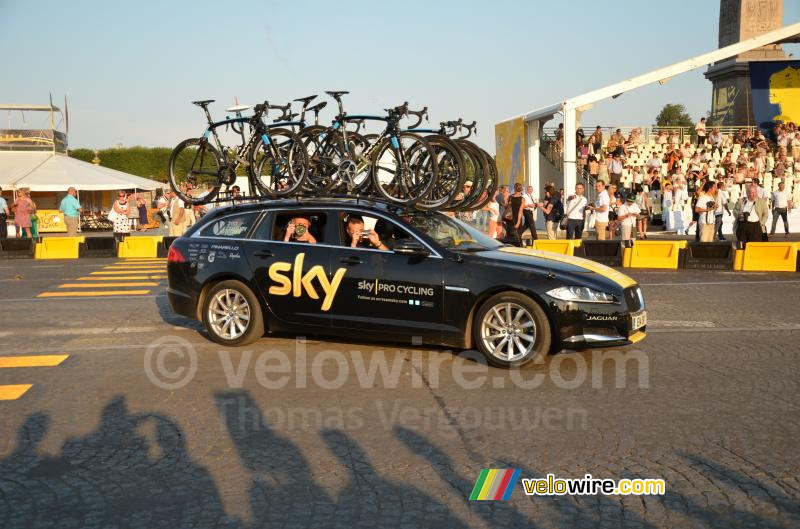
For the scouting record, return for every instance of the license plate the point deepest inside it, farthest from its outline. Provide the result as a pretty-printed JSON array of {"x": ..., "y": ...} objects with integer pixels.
[{"x": 638, "y": 320}]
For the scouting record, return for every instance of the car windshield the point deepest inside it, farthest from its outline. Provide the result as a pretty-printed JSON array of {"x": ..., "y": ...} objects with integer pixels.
[{"x": 450, "y": 232}]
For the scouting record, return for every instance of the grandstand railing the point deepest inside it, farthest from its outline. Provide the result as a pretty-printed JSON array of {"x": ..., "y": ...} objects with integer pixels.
[{"x": 651, "y": 133}]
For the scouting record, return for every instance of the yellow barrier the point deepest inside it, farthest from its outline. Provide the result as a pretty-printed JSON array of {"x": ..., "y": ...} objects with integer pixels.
[
  {"x": 58, "y": 247},
  {"x": 562, "y": 246},
  {"x": 655, "y": 254},
  {"x": 738, "y": 260},
  {"x": 770, "y": 257},
  {"x": 145, "y": 246}
]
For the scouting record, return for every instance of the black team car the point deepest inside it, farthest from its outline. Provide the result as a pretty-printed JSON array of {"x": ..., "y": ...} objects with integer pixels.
[{"x": 371, "y": 270}]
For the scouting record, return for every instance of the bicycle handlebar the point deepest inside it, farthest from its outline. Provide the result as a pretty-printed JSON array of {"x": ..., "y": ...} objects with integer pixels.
[
  {"x": 420, "y": 115},
  {"x": 470, "y": 129}
]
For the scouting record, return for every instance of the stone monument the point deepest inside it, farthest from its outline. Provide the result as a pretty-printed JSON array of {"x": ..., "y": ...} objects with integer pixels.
[{"x": 738, "y": 20}]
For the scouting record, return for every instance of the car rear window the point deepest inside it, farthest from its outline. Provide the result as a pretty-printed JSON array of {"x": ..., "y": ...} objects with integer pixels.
[{"x": 231, "y": 226}]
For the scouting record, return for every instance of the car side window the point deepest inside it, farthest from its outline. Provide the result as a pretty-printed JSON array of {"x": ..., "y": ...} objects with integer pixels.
[
  {"x": 294, "y": 226},
  {"x": 231, "y": 226},
  {"x": 366, "y": 231}
]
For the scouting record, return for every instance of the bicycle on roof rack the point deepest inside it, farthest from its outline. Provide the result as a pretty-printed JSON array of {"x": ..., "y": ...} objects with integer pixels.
[{"x": 274, "y": 159}]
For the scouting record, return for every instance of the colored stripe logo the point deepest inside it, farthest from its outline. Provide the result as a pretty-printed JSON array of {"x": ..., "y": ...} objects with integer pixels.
[{"x": 495, "y": 484}]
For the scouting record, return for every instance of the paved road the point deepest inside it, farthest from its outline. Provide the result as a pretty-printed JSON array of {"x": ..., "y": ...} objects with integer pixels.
[{"x": 709, "y": 402}]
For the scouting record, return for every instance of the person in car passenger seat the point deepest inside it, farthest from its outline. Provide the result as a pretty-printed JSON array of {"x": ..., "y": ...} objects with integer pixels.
[{"x": 298, "y": 231}]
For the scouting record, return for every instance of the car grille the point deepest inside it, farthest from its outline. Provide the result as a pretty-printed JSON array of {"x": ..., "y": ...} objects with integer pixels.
[{"x": 634, "y": 298}]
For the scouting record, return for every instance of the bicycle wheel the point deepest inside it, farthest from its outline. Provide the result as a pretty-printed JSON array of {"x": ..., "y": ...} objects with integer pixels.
[
  {"x": 472, "y": 172},
  {"x": 479, "y": 178},
  {"x": 450, "y": 170},
  {"x": 406, "y": 171},
  {"x": 351, "y": 171},
  {"x": 278, "y": 168},
  {"x": 194, "y": 167},
  {"x": 319, "y": 179},
  {"x": 490, "y": 186}
]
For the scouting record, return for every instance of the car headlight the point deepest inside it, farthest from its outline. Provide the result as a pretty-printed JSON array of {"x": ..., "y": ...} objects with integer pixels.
[{"x": 581, "y": 294}]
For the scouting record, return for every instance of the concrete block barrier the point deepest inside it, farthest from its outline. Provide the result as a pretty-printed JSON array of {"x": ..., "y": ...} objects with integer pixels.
[
  {"x": 655, "y": 254},
  {"x": 708, "y": 255},
  {"x": 98, "y": 247},
  {"x": 770, "y": 257},
  {"x": 144, "y": 246},
  {"x": 562, "y": 246},
  {"x": 59, "y": 247},
  {"x": 609, "y": 253},
  {"x": 17, "y": 248}
]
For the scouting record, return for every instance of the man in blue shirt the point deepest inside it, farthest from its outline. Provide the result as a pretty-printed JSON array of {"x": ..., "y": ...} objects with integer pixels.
[
  {"x": 72, "y": 210},
  {"x": 3, "y": 216}
]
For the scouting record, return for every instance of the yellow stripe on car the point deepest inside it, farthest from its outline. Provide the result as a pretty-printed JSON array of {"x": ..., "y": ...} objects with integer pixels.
[{"x": 605, "y": 271}]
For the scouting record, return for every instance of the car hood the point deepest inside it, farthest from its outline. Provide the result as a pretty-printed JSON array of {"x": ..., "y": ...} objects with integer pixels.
[{"x": 557, "y": 263}]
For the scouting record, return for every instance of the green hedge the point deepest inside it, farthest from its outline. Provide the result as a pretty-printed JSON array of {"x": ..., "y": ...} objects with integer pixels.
[{"x": 148, "y": 162}]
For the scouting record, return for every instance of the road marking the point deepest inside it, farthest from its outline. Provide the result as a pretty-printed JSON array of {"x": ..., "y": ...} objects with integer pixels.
[
  {"x": 100, "y": 285},
  {"x": 121, "y": 272},
  {"x": 14, "y": 391},
  {"x": 75, "y": 297},
  {"x": 680, "y": 323},
  {"x": 117, "y": 278},
  {"x": 701, "y": 283},
  {"x": 91, "y": 294},
  {"x": 32, "y": 361},
  {"x": 725, "y": 329}
]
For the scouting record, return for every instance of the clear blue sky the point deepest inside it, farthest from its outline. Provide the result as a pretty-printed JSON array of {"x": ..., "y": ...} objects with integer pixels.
[{"x": 130, "y": 69}]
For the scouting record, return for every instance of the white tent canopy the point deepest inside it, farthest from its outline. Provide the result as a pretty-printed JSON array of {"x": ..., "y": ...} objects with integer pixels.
[{"x": 49, "y": 171}]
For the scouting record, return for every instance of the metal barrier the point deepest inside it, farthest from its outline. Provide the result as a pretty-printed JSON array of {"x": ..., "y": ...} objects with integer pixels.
[
  {"x": 708, "y": 255},
  {"x": 163, "y": 248},
  {"x": 609, "y": 253},
  {"x": 98, "y": 247},
  {"x": 17, "y": 248},
  {"x": 59, "y": 247},
  {"x": 142, "y": 246}
]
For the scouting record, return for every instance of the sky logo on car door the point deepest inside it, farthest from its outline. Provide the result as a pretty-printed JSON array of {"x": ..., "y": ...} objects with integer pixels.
[{"x": 298, "y": 282}]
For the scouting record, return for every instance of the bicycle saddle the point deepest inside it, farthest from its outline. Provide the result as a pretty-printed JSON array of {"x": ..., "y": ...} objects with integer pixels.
[
  {"x": 202, "y": 103},
  {"x": 335, "y": 94},
  {"x": 318, "y": 106},
  {"x": 306, "y": 100},
  {"x": 237, "y": 108}
]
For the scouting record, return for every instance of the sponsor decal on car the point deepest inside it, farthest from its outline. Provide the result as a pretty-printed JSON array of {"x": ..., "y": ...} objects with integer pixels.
[{"x": 299, "y": 282}]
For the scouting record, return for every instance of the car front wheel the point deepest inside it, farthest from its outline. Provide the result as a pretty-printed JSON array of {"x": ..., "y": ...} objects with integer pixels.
[
  {"x": 511, "y": 329},
  {"x": 232, "y": 315}
]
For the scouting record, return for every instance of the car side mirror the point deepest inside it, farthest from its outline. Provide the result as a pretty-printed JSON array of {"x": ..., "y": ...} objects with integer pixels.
[{"x": 410, "y": 247}]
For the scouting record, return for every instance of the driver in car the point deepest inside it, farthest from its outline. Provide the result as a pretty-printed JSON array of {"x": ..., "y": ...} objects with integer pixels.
[
  {"x": 359, "y": 237},
  {"x": 297, "y": 231}
]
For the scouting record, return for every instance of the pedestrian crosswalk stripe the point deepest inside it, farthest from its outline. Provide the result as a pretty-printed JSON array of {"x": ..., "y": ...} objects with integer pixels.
[
  {"x": 101, "y": 285},
  {"x": 32, "y": 361},
  {"x": 93, "y": 293},
  {"x": 118, "y": 278},
  {"x": 13, "y": 391}
]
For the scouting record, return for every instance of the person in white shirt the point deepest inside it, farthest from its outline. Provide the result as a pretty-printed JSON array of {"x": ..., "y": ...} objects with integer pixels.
[
  {"x": 722, "y": 206},
  {"x": 575, "y": 210},
  {"x": 627, "y": 215},
  {"x": 781, "y": 207},
  {"x": 706, "y": 208},
  {"x": 700, "y": 129},
  {"x": 528, "y": 213},
  {"x": 600, "y": 208},
  {"x": 760, "y": 191}
]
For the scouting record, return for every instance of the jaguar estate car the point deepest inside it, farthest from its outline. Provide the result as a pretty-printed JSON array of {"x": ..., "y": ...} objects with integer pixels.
[{"x": 353, "y": 267}]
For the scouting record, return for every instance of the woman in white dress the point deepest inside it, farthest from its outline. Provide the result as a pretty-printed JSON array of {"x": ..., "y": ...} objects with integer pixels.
[{"x": 122, "y": 225}]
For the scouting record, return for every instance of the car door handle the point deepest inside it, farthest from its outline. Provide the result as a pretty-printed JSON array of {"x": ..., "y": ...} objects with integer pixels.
[
  {"x": 350, "y": 260},
  {"x": 264, "y": 253}
]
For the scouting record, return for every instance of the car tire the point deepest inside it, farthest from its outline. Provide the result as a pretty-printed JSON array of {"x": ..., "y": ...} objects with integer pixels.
[
  {"x": 515, "y": 318},
  {"x": 232, "y": 314}
]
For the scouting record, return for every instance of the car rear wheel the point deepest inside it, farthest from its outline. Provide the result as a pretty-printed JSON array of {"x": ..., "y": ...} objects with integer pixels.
[
  {"x": 511, "y": 329},
  {"x": 232, "y": 315}
]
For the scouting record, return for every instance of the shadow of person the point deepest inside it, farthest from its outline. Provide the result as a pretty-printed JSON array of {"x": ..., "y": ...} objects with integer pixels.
[
  {"x": 500, "y": 513},
  {"x": 282, "y": 488},
  {"x": 109, "y": 479},
  {"x": 366, "y": 497}
]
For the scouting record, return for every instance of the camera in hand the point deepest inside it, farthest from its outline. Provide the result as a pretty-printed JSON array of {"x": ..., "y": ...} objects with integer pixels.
[
  {"x": 300, "y": 230},
  {"x": 365, "y": 234}
]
